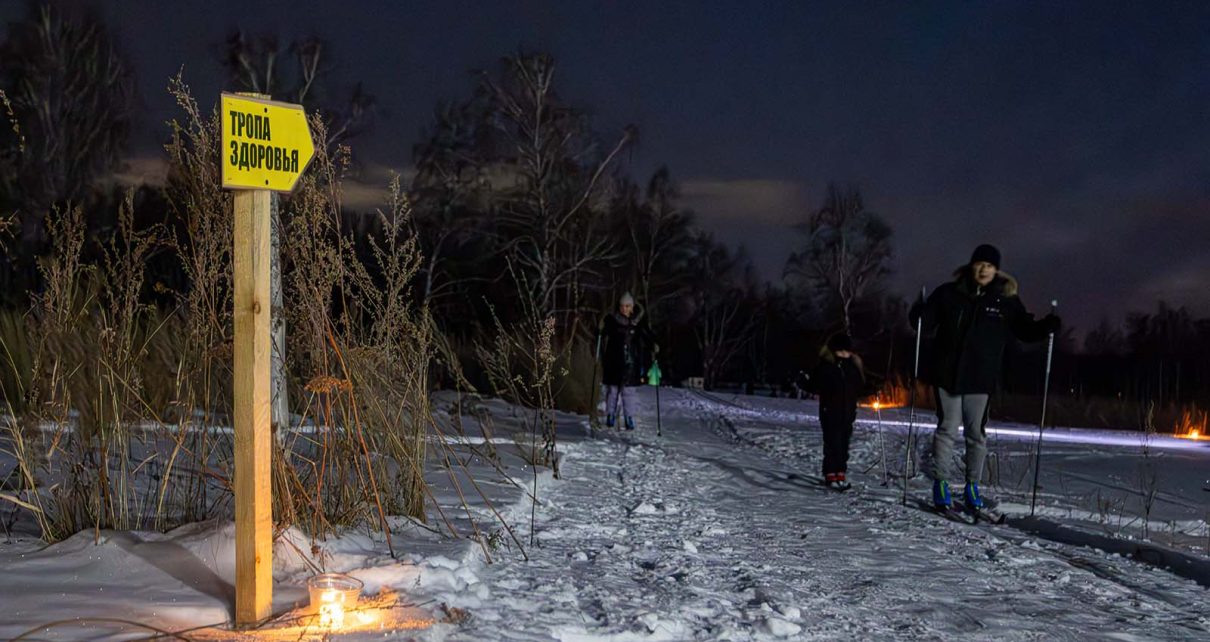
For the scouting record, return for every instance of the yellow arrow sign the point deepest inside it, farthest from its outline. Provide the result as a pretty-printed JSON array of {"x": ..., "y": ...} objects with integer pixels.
[{"x": 266, "y": 144}]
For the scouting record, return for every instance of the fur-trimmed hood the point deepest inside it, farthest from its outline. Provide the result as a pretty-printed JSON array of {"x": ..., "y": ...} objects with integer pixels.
[
  {"x": 1006, "y": 282},
  {"x": 632, "y": 320},
  {"x": 826, "y": 354}
]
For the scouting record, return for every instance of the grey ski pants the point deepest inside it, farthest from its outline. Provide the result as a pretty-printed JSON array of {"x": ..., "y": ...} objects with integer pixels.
[
  {"x": 954, "y": 410},
  {"x": 625, "y": 394}
]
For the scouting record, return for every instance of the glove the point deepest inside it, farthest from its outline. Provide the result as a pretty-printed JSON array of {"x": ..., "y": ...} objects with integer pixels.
[{"x": 1051, "y": 323}]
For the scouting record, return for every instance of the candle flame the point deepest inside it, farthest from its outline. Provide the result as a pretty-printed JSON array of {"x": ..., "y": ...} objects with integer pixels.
[{"x": 332, "y": 609}]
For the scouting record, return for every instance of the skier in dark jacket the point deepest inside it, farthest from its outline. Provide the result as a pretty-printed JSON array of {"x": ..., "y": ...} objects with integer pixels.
[
  {"x": 974, "y": 317},
  {"x": 624, "y": 345},
  {"x": 839, "y": 381}
]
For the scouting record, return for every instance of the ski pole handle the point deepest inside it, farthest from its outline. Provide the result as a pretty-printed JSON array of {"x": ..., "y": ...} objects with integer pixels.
[
  {"x": 919, "y": 332},
  {"x": 1050, "y": 344}
]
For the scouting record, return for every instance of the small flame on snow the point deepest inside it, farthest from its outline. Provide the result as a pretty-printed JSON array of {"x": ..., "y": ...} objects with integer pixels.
[
  {"x": 893, "y": 395},
  {"x": 1192, "y": 424}
]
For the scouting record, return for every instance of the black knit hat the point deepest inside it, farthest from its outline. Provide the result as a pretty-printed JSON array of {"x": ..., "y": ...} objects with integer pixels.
[
  {"x": 840, "y": 342},
  {"x": 988, "y": 254}
]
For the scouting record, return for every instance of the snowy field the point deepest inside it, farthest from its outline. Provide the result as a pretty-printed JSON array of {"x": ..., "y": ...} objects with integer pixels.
[{"x": 716, "y": 530}]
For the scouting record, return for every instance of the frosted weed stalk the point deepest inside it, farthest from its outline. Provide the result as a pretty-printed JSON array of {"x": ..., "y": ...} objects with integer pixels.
[
  {"x": 1148, "y": 477},
  {"x": 122, "y": 410}
]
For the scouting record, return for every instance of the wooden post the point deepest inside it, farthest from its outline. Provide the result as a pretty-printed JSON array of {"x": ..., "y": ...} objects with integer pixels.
[
  {"x": 253, "y": 442},
  {"x": 280, "y": 415},
  {"x": 260, "y": 162}
]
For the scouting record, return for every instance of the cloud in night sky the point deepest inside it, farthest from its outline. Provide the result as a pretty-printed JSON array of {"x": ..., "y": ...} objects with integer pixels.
[
  {"x": 1073, "y": 134},
  {"x": 757, "y": 214}
]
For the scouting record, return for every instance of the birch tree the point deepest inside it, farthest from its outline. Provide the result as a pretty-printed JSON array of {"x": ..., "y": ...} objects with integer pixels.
[
  {"x": 846, "y": 256},
  {"x": 721, "y": 310},
  {"x": 660, "y": 235},
  {"x": 548, "y": 218}
]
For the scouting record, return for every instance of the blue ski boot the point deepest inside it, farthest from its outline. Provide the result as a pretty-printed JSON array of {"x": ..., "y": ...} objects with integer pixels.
[
  {"x": 941, "y": 495},
  {"x": 629, "y": 423},
  {"x": 977, "y": 508},
  {"x": 610, "y": 421},
  {"x": 970, "y": 495}
]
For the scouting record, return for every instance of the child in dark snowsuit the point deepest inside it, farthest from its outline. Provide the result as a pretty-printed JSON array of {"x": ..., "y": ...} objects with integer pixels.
[{"x": 839, "y": 382}]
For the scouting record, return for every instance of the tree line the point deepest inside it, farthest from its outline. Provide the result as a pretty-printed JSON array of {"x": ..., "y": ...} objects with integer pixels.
[{"x": 523, "y": 211}]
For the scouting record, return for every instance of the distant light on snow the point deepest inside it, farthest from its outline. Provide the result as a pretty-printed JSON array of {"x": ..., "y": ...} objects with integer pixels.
[{"x": 1077, "y": 436}]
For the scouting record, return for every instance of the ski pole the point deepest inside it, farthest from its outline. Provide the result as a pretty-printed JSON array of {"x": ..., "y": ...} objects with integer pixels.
[
  {"x": 882, "y": 443},
  {"x": 654, "y": 378},
  {"x": 594, "y": 390},
  {"x": 1050, "y": 352},
  {"x": 907, "y": 455},
  {"x": 658, "y": 430}
]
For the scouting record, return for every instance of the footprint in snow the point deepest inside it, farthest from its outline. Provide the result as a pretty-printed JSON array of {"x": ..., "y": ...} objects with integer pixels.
[
  {"x": 781, "y": 628},
  {"x": 647, "y": 508}
]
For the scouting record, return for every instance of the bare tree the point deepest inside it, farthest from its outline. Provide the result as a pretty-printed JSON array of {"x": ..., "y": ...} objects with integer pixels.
[
  {"x": 1105, "y": 339},
  {"x": 71, "y": 95},
  {"x": 453, "y": 201},
  {"x": 298, "y": 73},
  {"x": 847, "y": 253},
  {"x": 547, "y": 219},
  {"x": 660, "y": 235},
  {"x": 721, "y": 309},
  {"x": 765, "y": 309}
]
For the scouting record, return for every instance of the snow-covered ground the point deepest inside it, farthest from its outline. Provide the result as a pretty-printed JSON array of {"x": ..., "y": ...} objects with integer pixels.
[
  {"x": 715, "y": 530},
  {"x": 1094, "y": 477}
]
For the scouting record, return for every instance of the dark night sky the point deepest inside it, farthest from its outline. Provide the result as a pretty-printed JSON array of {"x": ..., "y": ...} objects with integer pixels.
[{"x": 1076, "y": 136}]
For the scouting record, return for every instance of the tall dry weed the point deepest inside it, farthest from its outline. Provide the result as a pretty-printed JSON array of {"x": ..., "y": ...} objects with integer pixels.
[{"x": 123, "y": 410}]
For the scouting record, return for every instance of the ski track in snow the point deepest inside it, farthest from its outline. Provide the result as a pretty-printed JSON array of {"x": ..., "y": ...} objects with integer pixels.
[{"x": 718, "y": 531}]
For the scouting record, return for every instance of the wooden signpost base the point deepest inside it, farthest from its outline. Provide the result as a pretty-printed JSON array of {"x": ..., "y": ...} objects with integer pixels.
[{"x": 252, "y": 397}]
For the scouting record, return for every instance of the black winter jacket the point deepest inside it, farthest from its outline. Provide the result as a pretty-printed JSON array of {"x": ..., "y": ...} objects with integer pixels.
[
  {"x": 972, "y": 327},
  {"x": 840, "y": 384},
  {"x": 625, "y": 346}
]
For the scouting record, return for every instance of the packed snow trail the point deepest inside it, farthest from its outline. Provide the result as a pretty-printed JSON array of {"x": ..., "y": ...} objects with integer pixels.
[
  {"x": 705, "y": 534},
  {"x": 716, "y": 531}
]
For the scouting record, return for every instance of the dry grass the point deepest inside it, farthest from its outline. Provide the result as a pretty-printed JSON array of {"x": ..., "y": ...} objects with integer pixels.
[
  {"x": 520, "y": 361},
  {"x": 120, "y": 411},
  {"x": 1094, "y": 412}
]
